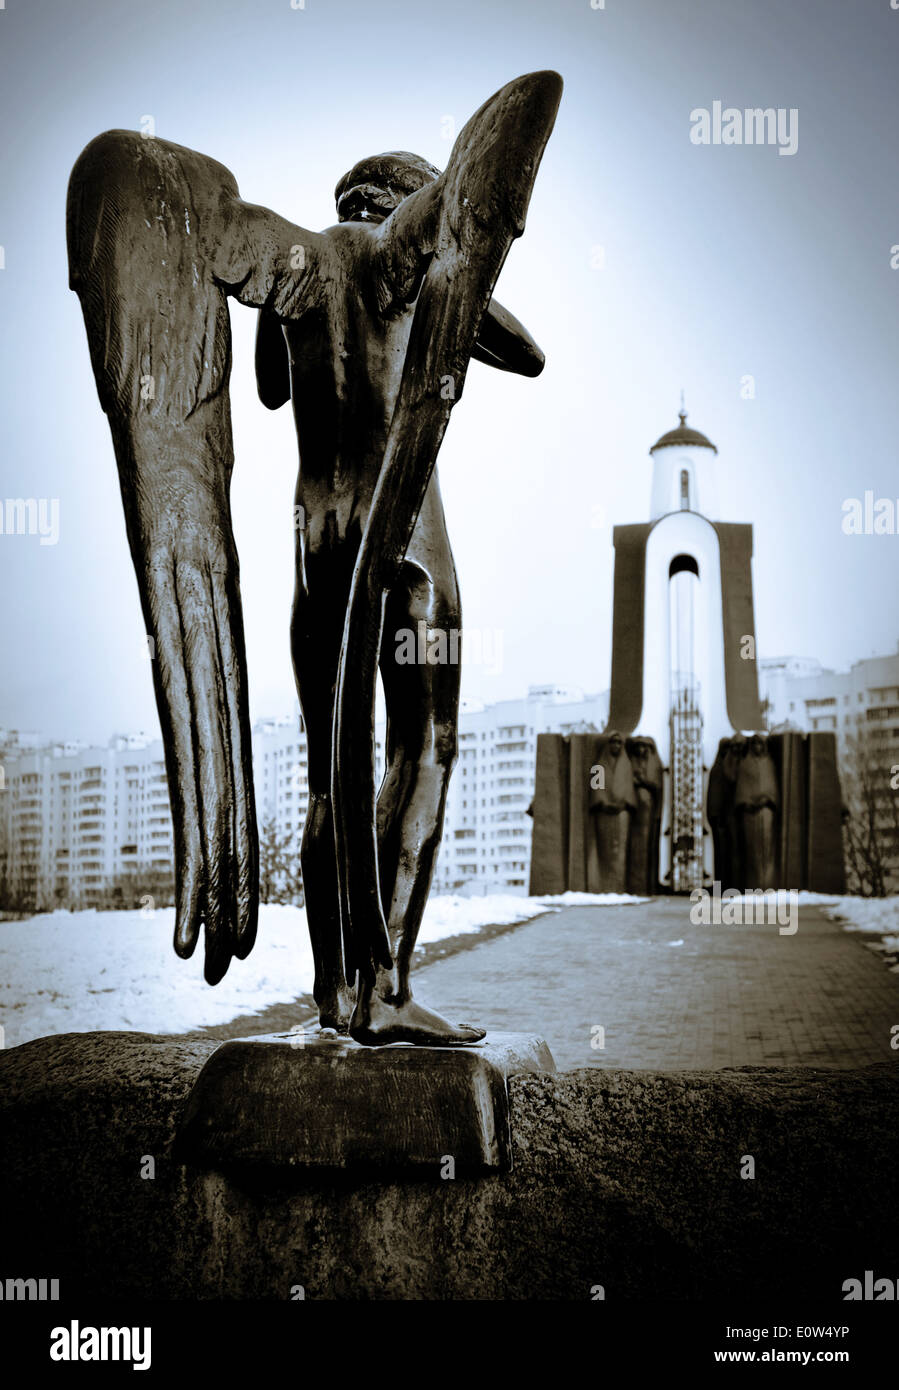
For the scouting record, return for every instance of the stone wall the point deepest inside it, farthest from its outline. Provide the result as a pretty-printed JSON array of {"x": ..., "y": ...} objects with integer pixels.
[{"x": 629, "y": 1180}]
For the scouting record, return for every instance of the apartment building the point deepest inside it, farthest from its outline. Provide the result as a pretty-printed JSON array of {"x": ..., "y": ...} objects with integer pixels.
[
  {"x": 486, "y": 845},
  {"x": 861, "y": 706},
  {"x": 281, "y": 775},
  {"x": 863, "y": 700},
  {"x": 76, "y": 821}
]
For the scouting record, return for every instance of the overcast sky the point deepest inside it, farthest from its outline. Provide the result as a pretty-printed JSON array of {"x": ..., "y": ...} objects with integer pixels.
[{"x": 720, "y": 262}]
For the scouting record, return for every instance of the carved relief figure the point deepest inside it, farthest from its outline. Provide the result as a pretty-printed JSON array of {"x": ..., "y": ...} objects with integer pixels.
[
  {"x": 612, "y": 803},
  {"x": 757, "y": 800},
  {"x": 643, "y": 840}
]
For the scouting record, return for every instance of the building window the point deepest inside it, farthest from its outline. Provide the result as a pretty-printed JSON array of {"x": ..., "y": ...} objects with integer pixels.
[{"x": 684, "y": 490}]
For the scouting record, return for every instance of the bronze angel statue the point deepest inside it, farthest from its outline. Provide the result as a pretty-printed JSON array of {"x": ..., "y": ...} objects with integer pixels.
[{"x": 368, "y": 328}]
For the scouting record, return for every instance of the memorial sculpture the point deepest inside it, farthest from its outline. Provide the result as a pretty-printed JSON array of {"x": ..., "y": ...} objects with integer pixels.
[
  {"x": 772, "y": 802},
  {"x": 722, "y": 812},
  {"x": 756, "y": 799},
  {"x": 368, "y": 327},
  {"x": 612, "y": 804},
  {"x": 643, "y": 844}
]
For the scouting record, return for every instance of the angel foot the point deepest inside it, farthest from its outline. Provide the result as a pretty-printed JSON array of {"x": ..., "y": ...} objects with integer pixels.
[
  {"x": 335, "y": 1010},
  {"x": 377, "y": 1022}
]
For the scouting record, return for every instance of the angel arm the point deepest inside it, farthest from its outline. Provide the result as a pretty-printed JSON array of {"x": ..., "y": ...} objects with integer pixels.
[
  {"x": 502, "y": 342},
  {"x": 158, "y": 237},
  {"x": 272, "y": 361},
  {"x": 505, "y": 343},
  {"x": 403, "y": 254}
]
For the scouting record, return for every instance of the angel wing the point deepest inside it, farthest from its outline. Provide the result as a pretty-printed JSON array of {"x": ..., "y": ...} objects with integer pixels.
[
  {"x": 447, "y": 244},
  {"x": 158, "y": 238}
]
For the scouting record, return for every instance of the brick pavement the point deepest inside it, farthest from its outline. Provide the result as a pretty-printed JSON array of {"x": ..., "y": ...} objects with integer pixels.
[{"x": 725, "y": 997}]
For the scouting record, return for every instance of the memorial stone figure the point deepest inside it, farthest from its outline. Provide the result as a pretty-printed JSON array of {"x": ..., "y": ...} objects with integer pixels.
[
  {"x": 730, "y": 820},
  {"x": 720, "y": 812},
  {"x": 757, "y": 799},
  {"x": 612, "y": 803},
  {"x": 643, "y": 839}
]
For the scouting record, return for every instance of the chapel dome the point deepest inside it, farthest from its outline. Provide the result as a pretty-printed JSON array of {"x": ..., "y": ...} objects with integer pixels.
[{"x": 684, "y": 437}]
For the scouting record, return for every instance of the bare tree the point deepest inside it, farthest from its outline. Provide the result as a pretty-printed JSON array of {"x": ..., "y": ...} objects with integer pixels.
[
  {"x": 871, "y": 828},
  {"x": 280, "y": 880}
]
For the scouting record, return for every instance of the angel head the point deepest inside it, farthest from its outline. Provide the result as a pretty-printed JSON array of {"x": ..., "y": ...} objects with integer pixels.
[{"x": 376, "y": 185}]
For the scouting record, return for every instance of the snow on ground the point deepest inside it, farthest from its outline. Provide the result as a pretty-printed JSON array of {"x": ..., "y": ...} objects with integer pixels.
[
  {"x": 876, "y": 916},
  {"x": 74, "y": 971},
  {"x": 859, "y": 914},
  {"x": 570, "y": 899},
  {"x": 879, "y": 915},
  {"x": 449, "y": 915}
]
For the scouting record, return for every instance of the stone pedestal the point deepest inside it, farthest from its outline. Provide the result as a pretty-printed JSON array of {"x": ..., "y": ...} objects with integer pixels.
[
  {"x": 625, "y": 1179},
  {"x": 296, "y": 1100}
]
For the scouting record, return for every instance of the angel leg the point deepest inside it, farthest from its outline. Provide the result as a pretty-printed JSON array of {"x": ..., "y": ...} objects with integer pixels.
[
  {"x": 316, "y": 654},
  {"x": 422, "y": 711},
  {"x": 422, "y": 706}
]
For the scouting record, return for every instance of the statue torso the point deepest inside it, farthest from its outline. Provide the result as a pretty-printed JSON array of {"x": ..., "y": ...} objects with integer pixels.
[{"x": 346, "y": 364}]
